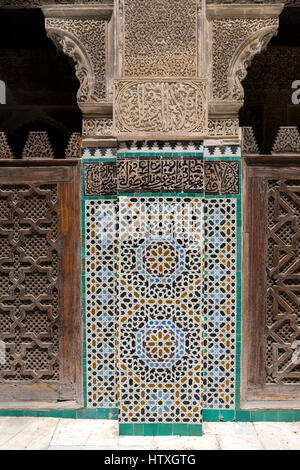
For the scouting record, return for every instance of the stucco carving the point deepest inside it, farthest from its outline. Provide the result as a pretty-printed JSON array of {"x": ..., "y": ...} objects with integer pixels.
[
  {"x": 84, "y": 40},
  {"x": 160, "y": 106},
  {"x": 235, "y": 42},
  {"x": 5, "y": 150},
  {"x": 73, "y": 149},
  {"x": 223, "y": 127},
  {"x": 163, "y": 50},
  {"x": 97, "y": 127},
  {"x": 287, "y": 141},
  {"x": 160, "y": 38},
  {"x": 37, "y": 146},
  {"x": 249, "y": 144}
]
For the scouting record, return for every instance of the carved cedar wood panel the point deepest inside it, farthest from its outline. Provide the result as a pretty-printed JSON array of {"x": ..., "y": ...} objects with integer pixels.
[
  {"x": 283, "y": 282},
  {"x": 271, "y": 306},
  {"x": 29, "y": 274},
  {"x": 32, "y": 282}
]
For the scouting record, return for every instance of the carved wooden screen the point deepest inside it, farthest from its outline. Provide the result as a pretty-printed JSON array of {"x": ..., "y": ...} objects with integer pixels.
[
  {"x": 271, "y": 307},
  {"x": 39, "y": 284}
]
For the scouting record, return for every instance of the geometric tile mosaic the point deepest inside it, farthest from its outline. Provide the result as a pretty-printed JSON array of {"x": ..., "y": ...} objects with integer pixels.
[
  {"x": 161, "y": 318},
  {"x": 99, "y": 152},
  {"x": 160, "y": 275},
  {"x": 220, "y": 289},
  {"x": 222, "y": 151},
  {"x": 101, "y": 302},
  {"x": 157, "y": 146}
]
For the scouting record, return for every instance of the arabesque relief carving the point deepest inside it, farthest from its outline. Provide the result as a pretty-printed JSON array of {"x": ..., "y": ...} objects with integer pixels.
[
  {"x": 160, "y": 38},
  {"x": 162, "y": 53}
]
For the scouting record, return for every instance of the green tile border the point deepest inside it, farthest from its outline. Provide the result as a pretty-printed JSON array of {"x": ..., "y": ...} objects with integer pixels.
[
  {"x": 160, "y": 429},
  {"x": 222, "y": 159},
  {"x": 160, "y": 154},
  {"x": 251, "y": 415},
  {"x": 160, "y": 195},
  {"x": 165, "y": 429},
  {"x": 83, "y": 413}
]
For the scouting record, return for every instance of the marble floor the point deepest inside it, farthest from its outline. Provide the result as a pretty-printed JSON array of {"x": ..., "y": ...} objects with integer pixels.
[{"x": 18, "y": 433}]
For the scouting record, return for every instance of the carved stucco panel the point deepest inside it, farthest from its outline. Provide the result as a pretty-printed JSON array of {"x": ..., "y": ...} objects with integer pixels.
[
  {"x": 97, "y": 127},
  {"x": 160, "y": 38},
  {"x": 84, "y": 40},
  {"x": 235, "y": 41},
  {"x": 166, "y": 106},
  {"x": 223, "y": 127}
]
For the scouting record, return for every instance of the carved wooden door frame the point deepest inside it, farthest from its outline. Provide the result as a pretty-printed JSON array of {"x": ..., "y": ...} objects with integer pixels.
[
  {"x": 255, "y": 391},
  {"x": 67, "y": 392}
]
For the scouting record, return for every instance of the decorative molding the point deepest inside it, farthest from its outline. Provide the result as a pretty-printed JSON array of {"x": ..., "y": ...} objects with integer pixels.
[
  {"x": 37, "y": 146},
  {"x": 244, "y": 8},
  {"x": 223, "y": 127},
  {"x": 79, "y": 8},
  {"x": 73, "y": 149},
  {"x": 287, "y": 141},
  {"x": 249, "y": 144},
  {"x": 162, "y": 107},
  {"x": 84, "y": 32},
  {"x": 5, "y": 150}
]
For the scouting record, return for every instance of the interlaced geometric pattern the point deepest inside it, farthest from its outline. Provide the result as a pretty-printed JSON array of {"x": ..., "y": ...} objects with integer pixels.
[
  {"x": 220, "y": 303},
  {"x": 160, "y": 263},
  {"x": 283, "y": 282},
  {"x": 101, "y": 292},
  {"x": 29, "y": 272}
]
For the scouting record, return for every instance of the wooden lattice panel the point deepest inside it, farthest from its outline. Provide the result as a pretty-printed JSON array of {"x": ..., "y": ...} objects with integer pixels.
[
  {"x": 283, "y": 282},
  {"x": 29, "y": 296},
  {"x": 271, "y": 285}
]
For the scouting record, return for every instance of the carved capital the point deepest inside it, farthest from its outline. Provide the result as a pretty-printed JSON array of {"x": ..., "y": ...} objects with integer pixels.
[
  {"x": 70, "y": 46},
  {"x": 237, "y": 33},
  {"x": 81, "y": 32},
  {"x": 243, "y": 57}
]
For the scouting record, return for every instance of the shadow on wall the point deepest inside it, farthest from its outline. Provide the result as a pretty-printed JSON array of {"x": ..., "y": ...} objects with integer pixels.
[
  {"x": 268, "y": 86},
  {"x": 38, "y": 86}
]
